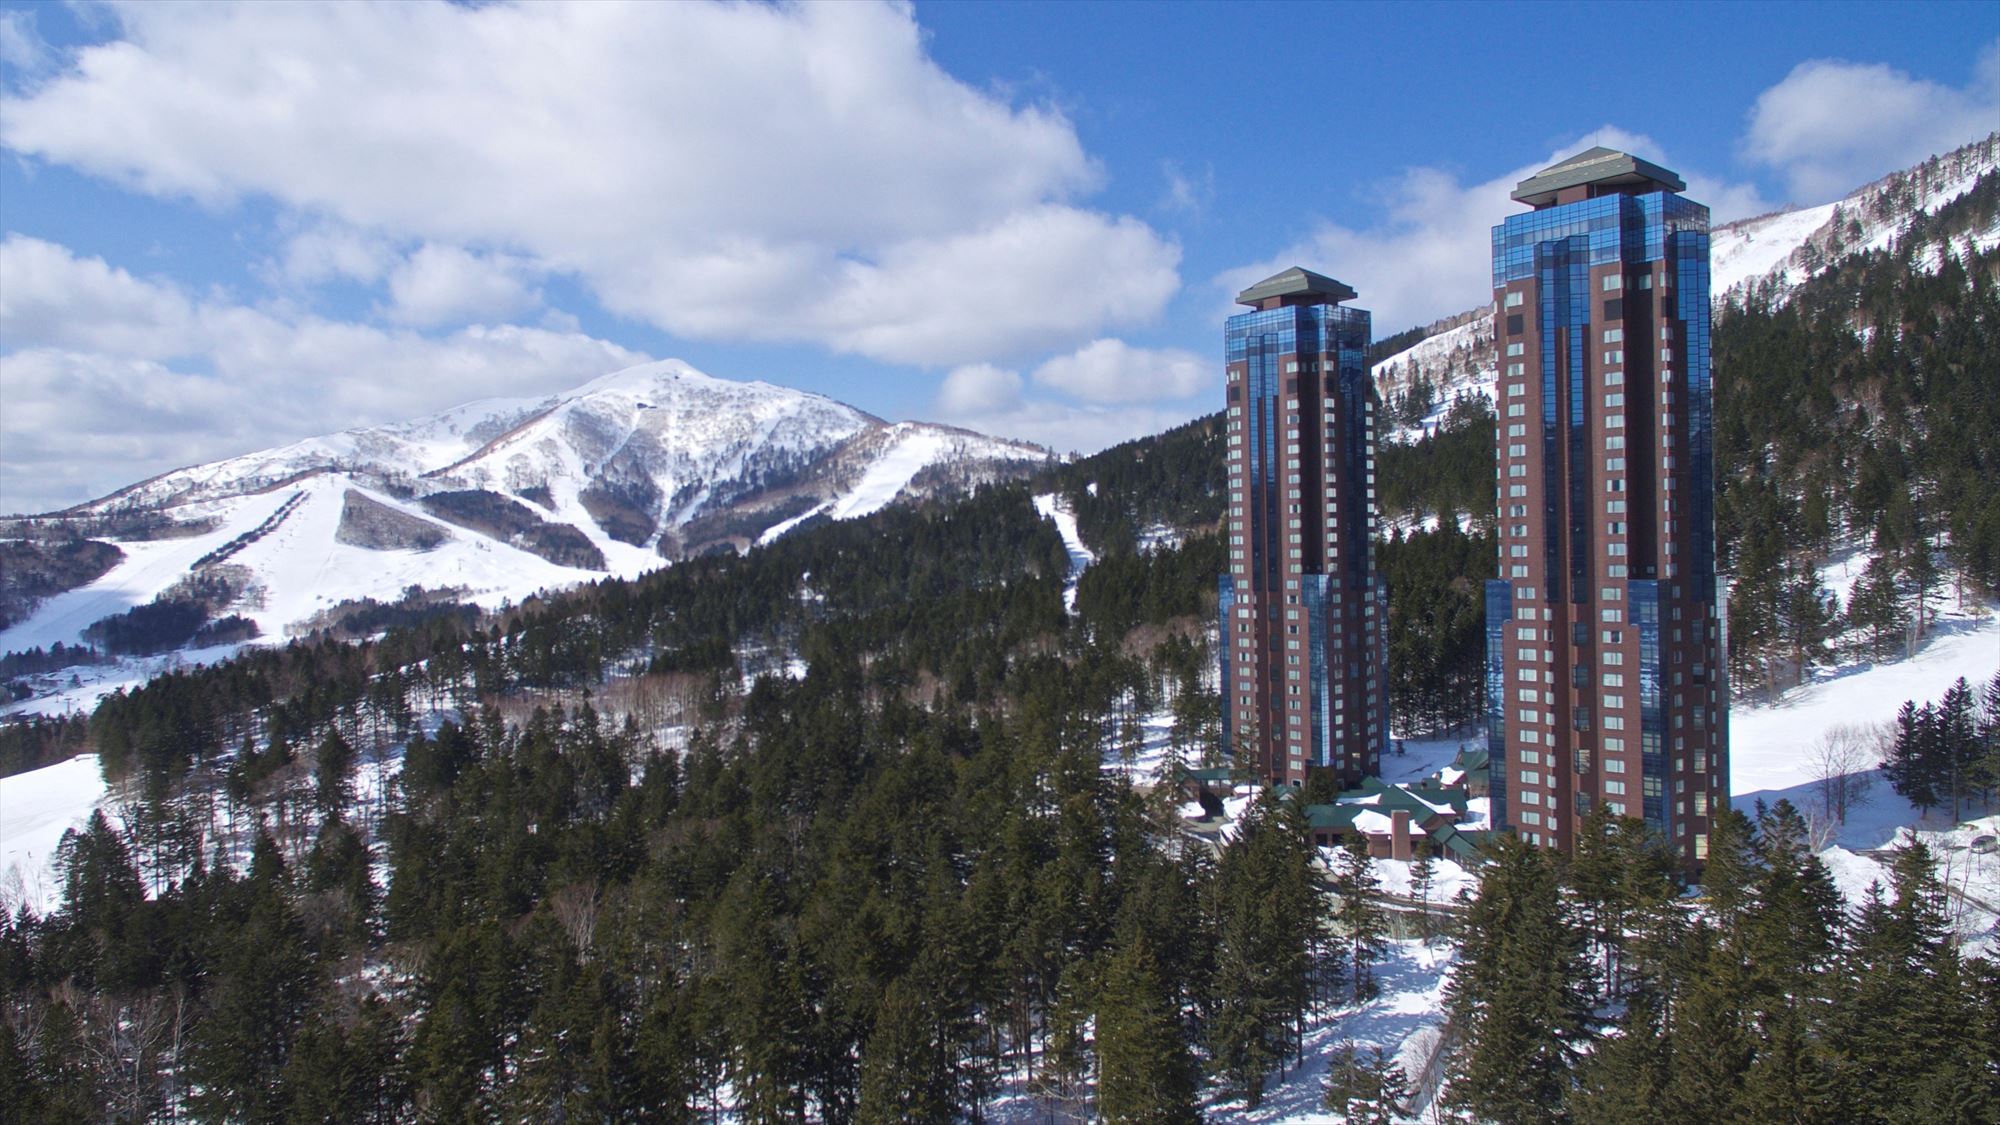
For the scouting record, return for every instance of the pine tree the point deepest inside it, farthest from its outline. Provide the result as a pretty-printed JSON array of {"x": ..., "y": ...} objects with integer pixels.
[
  {"x": 1423, "y": 872},
  {"x": 1269, "y": 914},
  {"x": 1706, "y": 1025},
  {"x": 1520, "y": 999},
  {"x": 1987, "y": 770},
  {"x": 1955, "y": 743},
  {"x": 1390, "y": 1090},
  {"x": 1877, "y": 609},
  {"x": 333, "y": 774},
  {"x": 1912, "y": 763},
  {"x": 1903, "y": 985},
  {"x": 346, "y": 1067},
  {"x": 258, "y": 1001},
  {"x": 1145, "y": 1072},
  {"x": 1628, "y": 1076},
  {"x": 1357, "y": 916},
  {"x": 906, "y": 1068}
]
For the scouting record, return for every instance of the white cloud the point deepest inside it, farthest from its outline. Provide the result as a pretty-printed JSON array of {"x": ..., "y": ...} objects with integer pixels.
[
  {"x": 325, "y": 253},
  {"x": 978, "y": 388},
  {"x": 114, "y": 378},
  {"x": 1186, "y": 193},
  {"x": 445, "y": 284},
  {"x": 50, "y": 297},
  {"x": 790, "y": 173},
  {"x": 1433, "y": 256},
  {"x": 1831, "y": 126},
  {"x": 1113, "y": 371},
  {"x": 21, "y": 46},
  {"x": 1076, "y": 428}
]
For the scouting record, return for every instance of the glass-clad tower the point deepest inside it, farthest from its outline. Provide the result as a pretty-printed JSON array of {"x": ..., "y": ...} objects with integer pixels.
[
  {"x": 1604, "y": 628},
  {"x": 1303, "y": 616}
]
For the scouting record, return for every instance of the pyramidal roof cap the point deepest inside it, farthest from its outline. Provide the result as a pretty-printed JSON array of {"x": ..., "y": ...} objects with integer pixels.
[
  {"x": 1296, "y": 282},
  {"x": 1594, "y": 165}
]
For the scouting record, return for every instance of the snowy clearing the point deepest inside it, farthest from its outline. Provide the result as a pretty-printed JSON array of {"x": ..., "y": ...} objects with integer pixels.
[{"x": 36, "y": 808}]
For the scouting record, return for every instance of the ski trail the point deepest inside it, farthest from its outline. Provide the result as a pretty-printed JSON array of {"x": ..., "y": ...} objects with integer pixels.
[{"x": 1080, "y": 556}]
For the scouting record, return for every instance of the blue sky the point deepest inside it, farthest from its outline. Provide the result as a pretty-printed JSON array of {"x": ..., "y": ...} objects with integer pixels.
[{"x": 230, "y": 227}]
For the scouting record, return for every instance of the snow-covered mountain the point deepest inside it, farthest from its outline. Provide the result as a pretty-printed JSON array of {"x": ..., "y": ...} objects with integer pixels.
[
  {"x": 499, "y": 498},
  {"x": 1767, "y": 257}
]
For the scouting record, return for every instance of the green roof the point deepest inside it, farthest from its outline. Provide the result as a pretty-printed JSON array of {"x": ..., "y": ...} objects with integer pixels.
[
  {"x": 1220, "y": 773},
  {"x": 1297, "y": 282},
  {"x": 1597, "y": 165}
]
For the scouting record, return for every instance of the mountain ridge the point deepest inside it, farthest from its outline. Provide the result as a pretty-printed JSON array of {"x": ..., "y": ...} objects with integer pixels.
[{"x": 632, "y": 469}]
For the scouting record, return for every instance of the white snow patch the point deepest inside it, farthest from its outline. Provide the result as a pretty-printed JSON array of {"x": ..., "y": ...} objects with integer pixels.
[
  {"x": 891, "y": 472},
  {"x": 772, "y": 533},
  {"x": 1080, "y": 556},
  {"x": 36, "y": 808},
  {"x": 1771, "y": 744}
]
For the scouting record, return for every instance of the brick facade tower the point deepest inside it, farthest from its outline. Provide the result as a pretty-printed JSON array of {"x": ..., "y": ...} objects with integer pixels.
[
  {"x": 1303, "y": 615},
  {"x": 1605, "y": 677}
]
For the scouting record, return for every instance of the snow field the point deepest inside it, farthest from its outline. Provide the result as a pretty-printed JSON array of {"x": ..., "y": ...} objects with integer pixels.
[{"x": 36, "y": 808}]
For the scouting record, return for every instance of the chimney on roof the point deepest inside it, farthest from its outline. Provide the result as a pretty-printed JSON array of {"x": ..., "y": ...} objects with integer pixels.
[{"x": 1399, "y": 834}]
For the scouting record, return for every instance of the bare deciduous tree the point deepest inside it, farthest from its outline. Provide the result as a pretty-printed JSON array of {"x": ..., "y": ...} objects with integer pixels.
[
  {"x": 575, "y": 908},
  {"x": 1843, "y": 766}
]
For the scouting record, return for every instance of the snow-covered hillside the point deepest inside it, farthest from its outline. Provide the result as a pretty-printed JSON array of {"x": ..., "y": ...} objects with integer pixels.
[
  {"x": 500, "y": 498},
  {"x": 1772, "y": 255},
  {"x": 1769, "y": 255}
]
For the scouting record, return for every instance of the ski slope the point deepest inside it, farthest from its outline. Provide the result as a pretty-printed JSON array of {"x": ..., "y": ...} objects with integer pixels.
[
  {"x": 36, "y": 808},
  {"x": 1080, "y": 556}
]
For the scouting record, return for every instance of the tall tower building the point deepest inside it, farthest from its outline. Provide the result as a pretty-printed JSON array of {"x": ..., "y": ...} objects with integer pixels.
[
  {"x": 1304, "y": 617},
  {"x": 1604, "y": 669}
]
